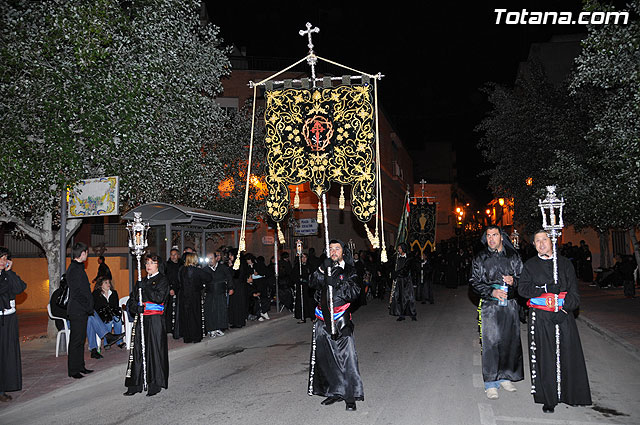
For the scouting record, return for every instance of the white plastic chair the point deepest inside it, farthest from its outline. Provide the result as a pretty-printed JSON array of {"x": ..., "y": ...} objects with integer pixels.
[
  {"x": 66, "y": 332},
  {"x": 125, "y": 319}
]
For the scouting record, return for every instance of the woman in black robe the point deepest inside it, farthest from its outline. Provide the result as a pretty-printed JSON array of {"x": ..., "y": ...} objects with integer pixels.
[
  {"x": 238, "y": 300},
  {"x": 10, "y": 361},
  {"x": 191, "y": 280},
  {"x": 303, "y": 305},
  {"x": 537, "y": 283},
  {"x": 155, "y": 292}
]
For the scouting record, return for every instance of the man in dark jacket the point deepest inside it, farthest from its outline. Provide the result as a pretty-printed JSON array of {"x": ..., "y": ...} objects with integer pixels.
[
  {"x": 494, "y": 276},
  {"x": 403, "y": 299},
  {"x": 79, "y": 308}
]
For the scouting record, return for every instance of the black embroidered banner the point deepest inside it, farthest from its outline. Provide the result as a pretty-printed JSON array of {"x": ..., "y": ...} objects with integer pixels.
[
  {"x": 422, "y": 226},
  {"x": 320, "y": 135}
]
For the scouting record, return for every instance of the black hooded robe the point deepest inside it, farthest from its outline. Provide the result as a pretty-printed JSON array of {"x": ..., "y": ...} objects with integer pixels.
[
  {"x": 574, "y": 382},
  {"x": 303, "y": 303},
  {"x": 334, "y": 362},
  {"x": 500, "y": 325},
  {"x": 216, "y": 316}
]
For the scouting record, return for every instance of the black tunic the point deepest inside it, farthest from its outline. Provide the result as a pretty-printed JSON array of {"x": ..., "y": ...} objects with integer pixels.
[
  {"x": 334, "y": 362},
  {"x": 155, "y": 290},
  {"x": 303, "y": 304},
  {"x": 238, "y": 301},
  {"x": 215, "y": 301},
  {"x": 10, "y": 361},
  {"x": 191, "y": 281},
  {"x": 500, "y": 325},
  {"x": 574, "y": 389},
  {"x": 171, "y": 307},
  {"x": 403, "y": 298}
]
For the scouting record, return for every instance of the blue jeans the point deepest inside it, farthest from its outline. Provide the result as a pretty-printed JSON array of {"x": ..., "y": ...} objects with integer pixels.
[
  {"x": 95, "y": 326},
  {"x": 493, "y": 384}
]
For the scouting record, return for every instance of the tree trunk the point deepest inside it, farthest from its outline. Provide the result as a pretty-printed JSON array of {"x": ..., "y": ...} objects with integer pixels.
[
  {"x": 52, "y": 250},
  {"x": 605, "y": 253}
]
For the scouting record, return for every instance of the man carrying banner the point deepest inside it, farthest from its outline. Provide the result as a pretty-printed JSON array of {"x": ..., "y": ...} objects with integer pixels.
[{"x": 334, "y": 370}]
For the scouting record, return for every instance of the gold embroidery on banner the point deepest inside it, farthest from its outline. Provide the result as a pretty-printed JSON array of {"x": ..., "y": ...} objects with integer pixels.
[{"x": 320, "y": 136}]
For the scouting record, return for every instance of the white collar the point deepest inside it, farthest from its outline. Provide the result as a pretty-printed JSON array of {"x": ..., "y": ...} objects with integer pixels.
[
  {"x": 153, "y": 275},
  {"x": 544, "y": 258}
]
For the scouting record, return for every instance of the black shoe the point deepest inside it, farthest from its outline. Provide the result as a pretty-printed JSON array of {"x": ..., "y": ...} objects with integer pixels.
[
  {"x": 400, "y": 319},
  {"x": 329, "y": 401},
  {"x": 95, "y": 354},
  {"x": 129, "y": 393},
  {"x": 547, "y": 409},
  {"x": 76, "y": 375},
  {"x": 351, "y": 406},
  {"x": 86, "y": 371},
  {"x": 423, "y": 302},
  {"x": 122, "y": 345},
  {"x": 112, "y": 339},
  {"x": 152, "y": 393},
  {"x": 414, "y": 318}
]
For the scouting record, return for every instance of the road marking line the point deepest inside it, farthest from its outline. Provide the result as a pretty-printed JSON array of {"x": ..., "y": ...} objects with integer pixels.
[
  {"x": 486, "y": 414},
  {"x": 478, "y": 382}
]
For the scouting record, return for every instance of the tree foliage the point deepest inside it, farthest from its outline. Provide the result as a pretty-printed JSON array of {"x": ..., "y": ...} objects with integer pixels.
[
  {"x": 582, "y": 136},
  {"x": 93, "y": 88}
]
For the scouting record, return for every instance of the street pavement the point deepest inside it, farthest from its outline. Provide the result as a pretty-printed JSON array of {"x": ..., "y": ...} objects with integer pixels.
[{"x": 424, "y": 372}]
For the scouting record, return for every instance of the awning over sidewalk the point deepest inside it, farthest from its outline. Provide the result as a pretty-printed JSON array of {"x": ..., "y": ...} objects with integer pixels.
[{"x": 161, "y": 214}]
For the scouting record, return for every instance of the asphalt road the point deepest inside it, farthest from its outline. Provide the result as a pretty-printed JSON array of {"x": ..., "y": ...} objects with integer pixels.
[{"x": 424, "y": 372}]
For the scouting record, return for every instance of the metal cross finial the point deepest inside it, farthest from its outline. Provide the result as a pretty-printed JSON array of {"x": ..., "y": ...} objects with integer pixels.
[
  {"x": 422, "y": 182},
  {"x": 309, "y": 31}
]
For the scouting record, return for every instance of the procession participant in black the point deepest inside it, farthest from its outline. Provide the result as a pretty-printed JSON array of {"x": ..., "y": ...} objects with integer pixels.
[
  {"x": 537, "y": 283},
  {"x": 403, "y": 299},
  {"x": 79, "y": 308},
  {"x": 155, "y": 292},
  {"x": 10, "y": 361},
  {"x": 498, "y": 266},
  {"x": 334, "y": 370},
  {"x": 238, "y": 300},
  {"x": 425, "y": 271},
  {"x": 303, "y": 305},
  {"x": 191, "y": 281},
  {"x": 172, "y": 268},
  {"x": 215, "y": 303}
]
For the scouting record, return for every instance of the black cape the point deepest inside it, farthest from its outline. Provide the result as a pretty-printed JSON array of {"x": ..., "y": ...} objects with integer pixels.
[
  {"x": 215, "y": 301},
  {"x": 403, "y": 298},
  {"x": 191, "y": 282},
  {"x": 574, "y": 389},
  {"x": 500, "y": 325},
  {"x": 155, "y": 290},
  {"x": 10, "y": 361},
  {"x": 303, "y": 304},
  {"x": 334, "y": 362},
  {"x": 238, "y": 301}
]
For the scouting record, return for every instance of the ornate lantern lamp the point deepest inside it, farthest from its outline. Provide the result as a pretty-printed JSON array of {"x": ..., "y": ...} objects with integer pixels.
[{"x": 515, "y": 239}]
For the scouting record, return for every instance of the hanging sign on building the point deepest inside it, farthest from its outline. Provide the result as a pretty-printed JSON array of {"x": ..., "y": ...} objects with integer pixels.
[
  {"x": 94, "y": 197},
  {"x": 306, "y": 227}
]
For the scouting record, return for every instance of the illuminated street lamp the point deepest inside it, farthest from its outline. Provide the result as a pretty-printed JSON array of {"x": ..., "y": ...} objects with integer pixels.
[{"x": 501, "y": 201}]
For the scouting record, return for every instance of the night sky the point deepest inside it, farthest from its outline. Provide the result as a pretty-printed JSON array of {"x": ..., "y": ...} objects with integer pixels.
[{"x": 435, "y": 58}]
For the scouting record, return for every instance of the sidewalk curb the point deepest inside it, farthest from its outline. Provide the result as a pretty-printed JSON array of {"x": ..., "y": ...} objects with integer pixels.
[{"x": 631, "y": 349}]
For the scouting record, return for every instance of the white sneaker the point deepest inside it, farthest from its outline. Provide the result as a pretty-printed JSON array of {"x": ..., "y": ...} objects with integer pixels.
[
  {"x": 492, "y": 393},
  {"x": 265, "y": 316},
  {"x": 260, "y": 319},
  {"x": 508, "y": 386},
  {"x": 218, "y": 332}
]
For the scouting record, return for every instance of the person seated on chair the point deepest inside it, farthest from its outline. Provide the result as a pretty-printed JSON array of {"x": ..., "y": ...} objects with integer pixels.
[
  {"x": 105, "y": 303},
  {"x": 58, "y": 306}
]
